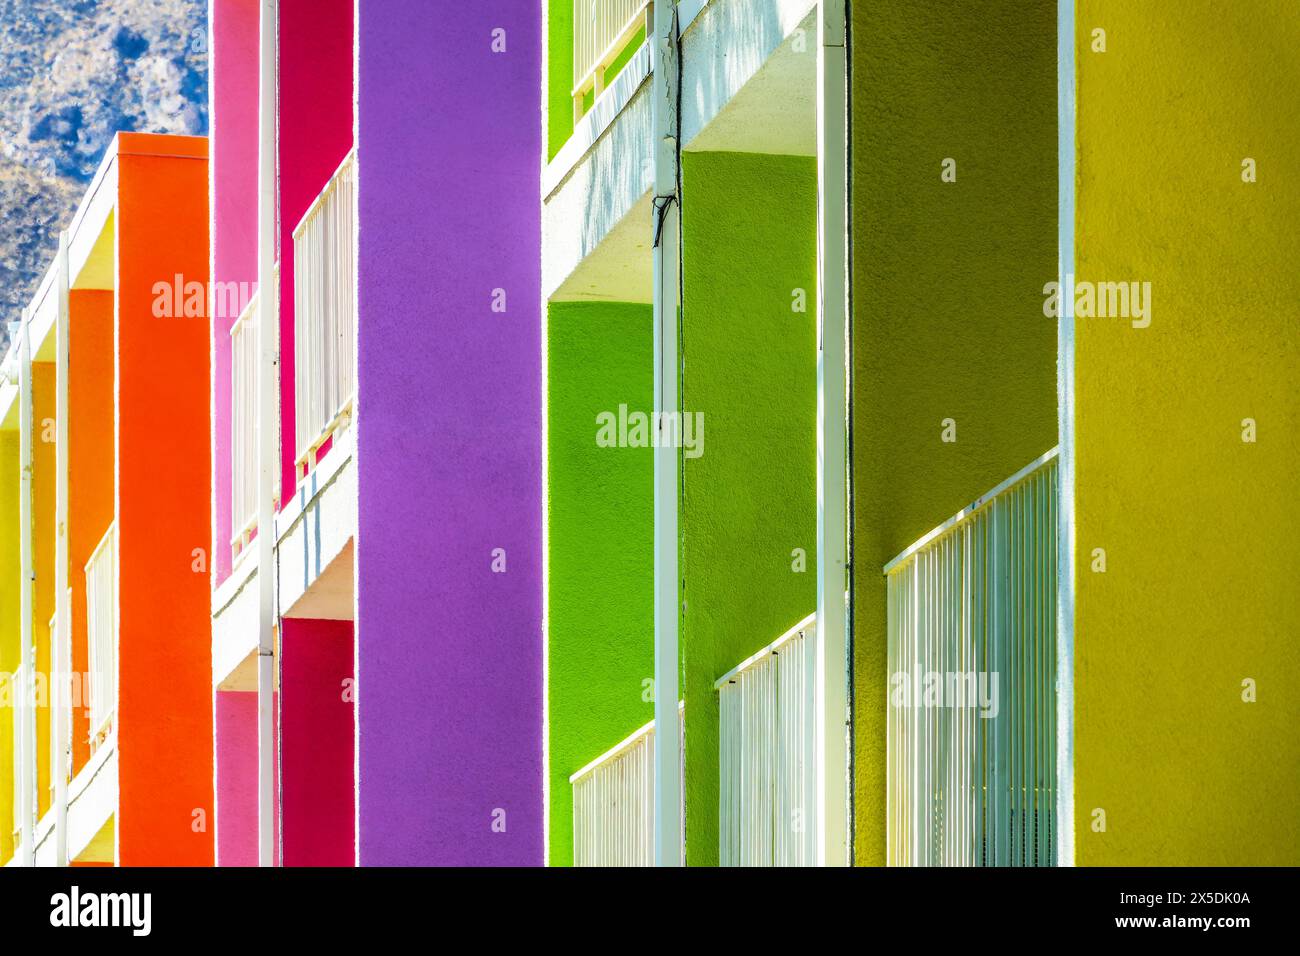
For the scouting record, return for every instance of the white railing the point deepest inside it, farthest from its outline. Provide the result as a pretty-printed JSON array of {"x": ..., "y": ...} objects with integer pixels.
[
  {"x": 101, "y": 626},
  {"x": 243, "y": 425},
  {"x": 971, "y": 726},
  {"x": 767, "y": 796},
  {"x": 324, "y": 290},
  {"x": 602, "y": 30},
  {"x": 614, "y": 804}
]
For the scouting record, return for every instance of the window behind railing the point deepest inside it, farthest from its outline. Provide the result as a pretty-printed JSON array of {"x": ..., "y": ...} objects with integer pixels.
[{"x": 971, "y": 726}]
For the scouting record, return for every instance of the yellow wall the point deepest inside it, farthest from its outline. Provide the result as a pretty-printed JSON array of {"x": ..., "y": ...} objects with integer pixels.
[
  {"x": 10, "y": 617},
  {"x": 1201, "y": 530}
]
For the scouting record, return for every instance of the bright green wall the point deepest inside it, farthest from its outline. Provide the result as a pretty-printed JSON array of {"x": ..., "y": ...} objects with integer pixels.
[
  {"x": 1201, "y": 530},
  {"x": 750, "y": 232},
  {"x": 10, "y": 627},
  {"x": 559, "y": 74},
  {"x": 947, "y": 285},
  {"x": 600, "y": 547}
]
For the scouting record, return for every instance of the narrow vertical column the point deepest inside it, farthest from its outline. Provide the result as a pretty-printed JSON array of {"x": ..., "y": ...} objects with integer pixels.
[
  {"x": 667, "y": 302},
  {"x": 61, "y": 655},
  {"x": 268, "y": 432},
  {"x": 1065, "y": 120},
  {"x": 26, "y": 693},
  {"x": 832, "y": 673}
]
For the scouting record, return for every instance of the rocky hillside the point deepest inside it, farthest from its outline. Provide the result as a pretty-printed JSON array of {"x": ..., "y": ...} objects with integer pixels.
[{"x": 72, "y": 73}]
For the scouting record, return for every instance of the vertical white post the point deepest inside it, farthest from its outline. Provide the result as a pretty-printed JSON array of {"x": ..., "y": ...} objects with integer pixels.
[
  {"x": 832, "y": 677},
  {"x": 1065, "y": 119},
  {"x": 27, "y": 691},
  {"x": 61, "y": 699},
  {"x": 268, "y": 431},
  {"x": 667, "y": 300}
]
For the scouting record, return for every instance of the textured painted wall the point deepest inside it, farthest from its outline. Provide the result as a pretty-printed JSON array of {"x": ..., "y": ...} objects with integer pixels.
[
  {"x": 316, "y": 56},
  {"x": 316, "y": 736},
  {"x": 750, "y": 239},
  {"x": 43, "y": 468},
  {"x": 233, "y": 70},
  {"x": 1201, "y": 530},
  {"x": 600, "y": 544},
  {"x": 947, "y": 295},
  {"x": 559, "y": 74},
  {"x": 448, "y": 438},
  {"x": 91, "y": 499},
  {"x": 235, "y": 717},
  {"x": 10, "y": 628},
  {"x": 164, "y": 489}
]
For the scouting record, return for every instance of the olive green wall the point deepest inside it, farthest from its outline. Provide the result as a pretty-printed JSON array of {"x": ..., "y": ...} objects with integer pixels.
[
  {"x": 600, "y": 545},
  {"x": 750, "y": 232},
  {"x": 1201, "y": 530},
  {"x": 947, "y": 285}
]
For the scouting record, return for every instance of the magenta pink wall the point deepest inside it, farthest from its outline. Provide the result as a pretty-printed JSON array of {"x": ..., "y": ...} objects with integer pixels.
[
  {"x": 316, "y": 728},
  {"x": 236, "y": 733},
  {"x": 233, "y": 112},
  {"x": 315, "y": 135}
]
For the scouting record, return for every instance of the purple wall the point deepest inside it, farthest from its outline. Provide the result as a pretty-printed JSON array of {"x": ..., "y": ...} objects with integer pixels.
[
  {"x": 316, "y": 734},
  {"x": 449, "y": 434}
]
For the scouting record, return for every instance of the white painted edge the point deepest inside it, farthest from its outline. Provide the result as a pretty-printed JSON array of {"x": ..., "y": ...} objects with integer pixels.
[{"x": 1065, "y": 578}]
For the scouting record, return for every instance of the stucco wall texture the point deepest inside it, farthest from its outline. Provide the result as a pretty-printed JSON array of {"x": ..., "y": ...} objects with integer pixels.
[
  {"x": 749, "y": 240},
  {"x": 600, "y": 545},
  {"x": 1201, "y": 530},
  {"x": 448, "y": 436},
  {"x": 947, "y": 285},
  {"x": 10, "y": 626}
]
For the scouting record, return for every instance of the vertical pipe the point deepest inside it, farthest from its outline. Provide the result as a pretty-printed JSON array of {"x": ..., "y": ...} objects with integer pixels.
[
  {"x": 62, "y": 637},
  {"x": 27, "y": 697},
  {"x": 267, "y": 430},
  {"x": 667, "y": 302},
  {"x": 1065, "y": 118},
  {"x": 831, "y": 675}
]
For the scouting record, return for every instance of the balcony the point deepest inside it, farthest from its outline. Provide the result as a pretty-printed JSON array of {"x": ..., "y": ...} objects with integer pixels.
[
  {"x": 243, "y": 426},
  {"x": 603, "y": 31},
  {"x": 325, "y": 317},
  {"x": 614, "y": 804},
  {"x": 101, "y": 627},
  {"x": 767, "y": 793},
  {"x": 971, "y": 758}
]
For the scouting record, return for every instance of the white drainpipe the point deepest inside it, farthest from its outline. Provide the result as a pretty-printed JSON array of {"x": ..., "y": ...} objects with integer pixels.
[
  {"x": 61, "y": 697},
  {"x": 27, "y": 693},
  {"x": 667, "y": 399},
  {"x": 268, "y": 430},
  {"x": 832, "y": 674}
]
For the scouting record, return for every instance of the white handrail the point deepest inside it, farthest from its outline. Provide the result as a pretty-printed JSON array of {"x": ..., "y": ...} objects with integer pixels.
[
  {"x": 243, "y": 424},
  {"x": 324, "y": 243},
  {"x": 602, "y": 30},
  {"x": 102, "y": 631}
]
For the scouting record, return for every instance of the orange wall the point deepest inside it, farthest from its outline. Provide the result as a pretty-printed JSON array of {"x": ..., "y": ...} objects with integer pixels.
[
  {"x": 90, "y": 461},
  {"x": 43, "y": 469},
  {"x": 164, "y": 508}
]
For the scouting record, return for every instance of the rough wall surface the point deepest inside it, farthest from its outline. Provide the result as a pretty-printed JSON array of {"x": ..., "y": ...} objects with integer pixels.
[
  {"x": 448, "y": 436},
  {"x": 947, "y": 295},
  {"x": 749, "y": 231},
  {"x": 600, "y": 544},
  {"x": 1201, "y": 530}
]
